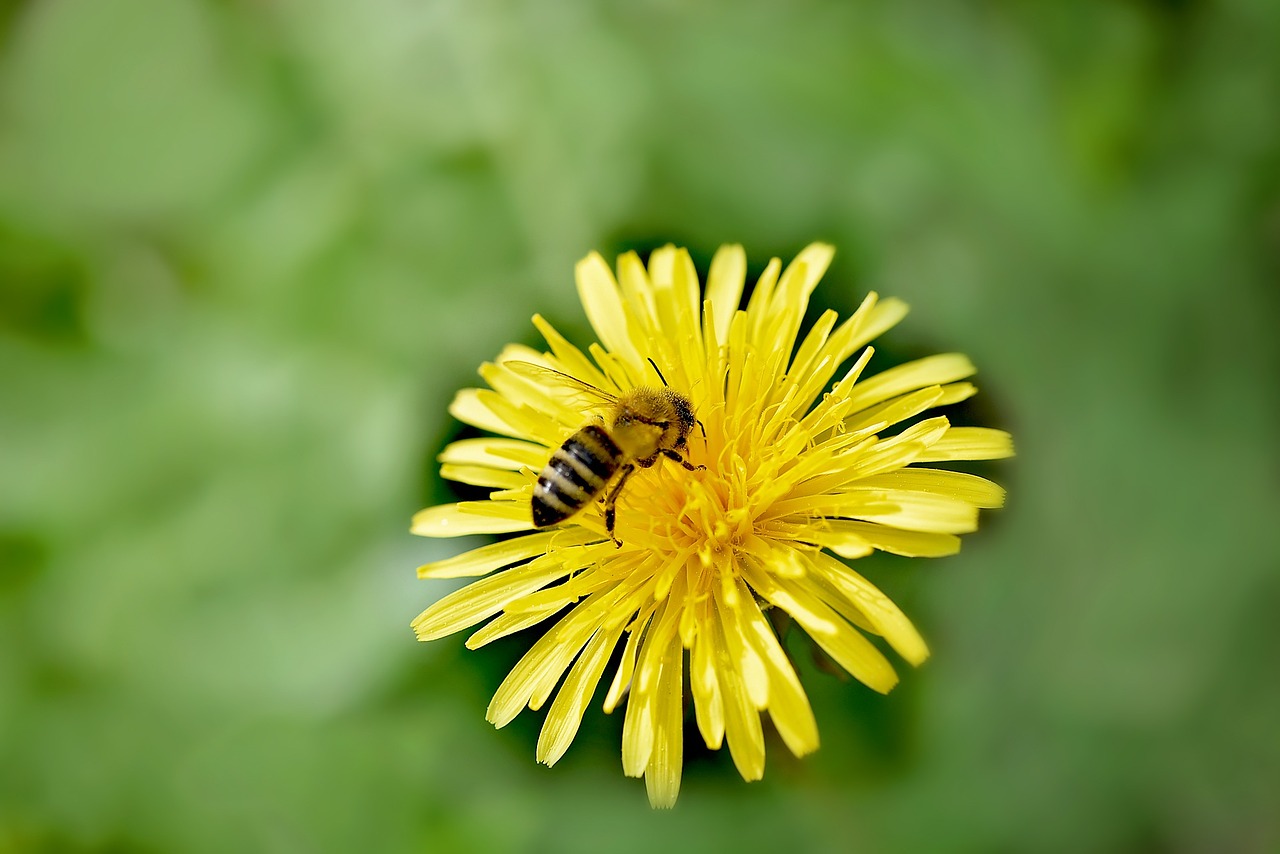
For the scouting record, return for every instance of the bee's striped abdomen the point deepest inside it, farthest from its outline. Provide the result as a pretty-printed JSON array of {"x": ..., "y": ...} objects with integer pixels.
[{"x": 576, "y": 473}]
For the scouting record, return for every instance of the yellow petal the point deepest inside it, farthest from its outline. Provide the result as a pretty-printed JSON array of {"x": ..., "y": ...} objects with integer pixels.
[
  {"x": 486, "y": 559},
  {"x": 708, "y": 705},
  {"x": 626, "y": 668},
  {"x": 472, "y": 517},
  {"x": 895, "y": 409},
  {"x": 565, "y": 715},
  {"x": 741, "y": 720},
  {"x": 843, "y": 541},
  {"x": 471, "y": 406},
  {"x": 846, "y": 537},
  {"x": 662, "y": 775},
  {"x": 637, "y": 735},
  {"x": 508, "y": 623},
  {"x": 968, "y": 488},
  {"x": 932, "y": 370},
  {"x": 969, "y": 443},
  {"x": 510, "y": 454},
  {"x": 803, "y": 273},
  {"x": 486, "y": 597},
  {"x": 534, "y": 677},
  {"x": 751, "y": 669},
  {"x": 724, "y": 287},
  {"x": 883, "y": 614},
  {"x": 956, "y": 392},
  {"x": 913, "y": 511},
  {"x": 788, "y": 705},
  {"x": 573, "y": 361},
  {"x": 882, "y": 316},
  {"x": 604, "y": 307},
  {"x": 841, "y": 641},
  {"x": 482, "y": 476}
]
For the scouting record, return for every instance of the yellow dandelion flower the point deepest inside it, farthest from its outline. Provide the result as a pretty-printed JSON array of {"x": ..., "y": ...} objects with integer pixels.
[{"x": 786, "y": 468}]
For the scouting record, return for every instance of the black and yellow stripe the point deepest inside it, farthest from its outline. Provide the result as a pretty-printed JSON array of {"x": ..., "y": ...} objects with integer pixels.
[{"x": 576, "y": 473}]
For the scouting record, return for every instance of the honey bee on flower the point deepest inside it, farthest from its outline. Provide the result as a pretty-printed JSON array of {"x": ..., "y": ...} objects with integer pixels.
[
  {"x": 790, "y": 473},
  {"x": 644, "y": 425}
]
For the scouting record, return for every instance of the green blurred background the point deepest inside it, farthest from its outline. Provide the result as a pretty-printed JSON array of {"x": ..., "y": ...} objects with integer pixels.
[{"x": 248, "y": 251}]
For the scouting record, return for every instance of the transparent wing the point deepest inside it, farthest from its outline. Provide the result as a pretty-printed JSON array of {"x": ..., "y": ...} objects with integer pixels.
[{"x": 571, "y": 388}]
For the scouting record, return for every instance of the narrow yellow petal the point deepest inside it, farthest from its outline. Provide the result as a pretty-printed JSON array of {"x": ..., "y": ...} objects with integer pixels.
[
  {"x": 529, "y": 396},
  {"x": 724, "y": 287},
  {"x": 675, "y": 290},
  {"x": 626, "y": 668},
  {"x": 751, "y": 669},
  {"x": 565, "y": 715},
  {"x": 472, "y": 517},
  {"x": 484, "y": 598},
  {"x": 968, "y": 488},
  {"x": 708, "y": 704},
  {"x": 852, "y": 535},
  {"x": 508, "y": 623},
  {"x": 895, "y": 409},
  {"x": 543, "y": 662},
  {"x": 804, "y": 272},
  {"x": 794, "y": 288},
  {"x": 510, "y": 454},
  {"x": 832, "y": 409},
  {"x": 788, "y": 705},
  {"x": 603, "y": 304},
  {"x": 845, "y": 542},
  {"x": 841, "y": 641},
  {"x": 970, "y": 443},
  {"x": 741, "y": 720},
  {"x": 486, "y": 559},
  {"x": 888, "y": 619},
  {"x": 956, "y": 392},
  {"x": 535, "y": 675},
  {"x": 932, "y": 370},
  {"x": 913, "y": 511},
  {"x": 471, "y": 406},
  {"x": 810, "y": 350},
  {"x": 762, "y": 295},
  {"x": 637, "y": 734},
  {"x": 882, "y": 316},
  {"x": 662, "y": 775},
  {"x": 637, "y": 290},
  {"x": 900, "y": 450},
  {"x": 573, "y": 361},
  {"x": 482, "y": 476}
]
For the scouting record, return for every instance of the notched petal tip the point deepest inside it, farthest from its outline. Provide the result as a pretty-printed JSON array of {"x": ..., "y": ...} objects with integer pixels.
[{"x": 662, "y": 791}]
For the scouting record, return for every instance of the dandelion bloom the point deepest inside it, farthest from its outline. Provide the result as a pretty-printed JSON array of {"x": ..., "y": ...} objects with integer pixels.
[{"x": 799, "y": 472}]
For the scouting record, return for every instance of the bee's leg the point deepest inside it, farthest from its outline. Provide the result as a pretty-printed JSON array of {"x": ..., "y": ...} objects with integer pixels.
[
  {"x": 610, "y": 514},
  {"x": 672, "y": 455}
]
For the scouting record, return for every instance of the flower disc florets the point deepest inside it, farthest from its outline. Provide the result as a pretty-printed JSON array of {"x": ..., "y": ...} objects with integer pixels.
[{"x": 805, "y": 460}]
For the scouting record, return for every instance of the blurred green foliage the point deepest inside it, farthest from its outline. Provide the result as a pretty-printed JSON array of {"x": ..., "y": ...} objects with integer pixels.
[{"x": 249, "y": 249}]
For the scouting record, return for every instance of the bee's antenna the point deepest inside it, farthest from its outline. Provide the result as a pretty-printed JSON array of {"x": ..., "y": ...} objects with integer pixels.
[
  {"x": 660, "y": 376},
  {"x": 700, "y": 427}
]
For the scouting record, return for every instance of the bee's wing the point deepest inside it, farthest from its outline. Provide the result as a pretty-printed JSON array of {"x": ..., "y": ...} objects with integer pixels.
[{"x": 562, "y": 383}]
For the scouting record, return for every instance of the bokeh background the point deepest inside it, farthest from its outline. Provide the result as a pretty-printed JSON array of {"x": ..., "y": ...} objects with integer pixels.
[{"x": 249, "y": 249}]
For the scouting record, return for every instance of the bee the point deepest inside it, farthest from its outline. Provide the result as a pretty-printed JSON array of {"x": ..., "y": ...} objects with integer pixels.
[{"x": 636, "y": 429}]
